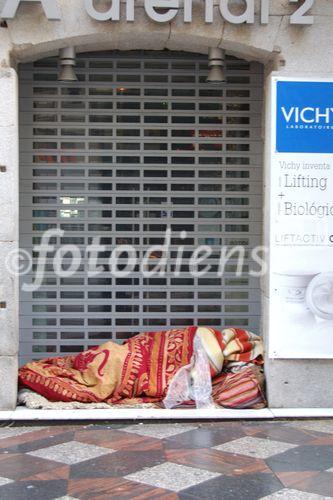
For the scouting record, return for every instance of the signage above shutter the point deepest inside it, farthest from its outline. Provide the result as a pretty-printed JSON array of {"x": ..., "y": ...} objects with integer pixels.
[{"x": 163, "y": 11}]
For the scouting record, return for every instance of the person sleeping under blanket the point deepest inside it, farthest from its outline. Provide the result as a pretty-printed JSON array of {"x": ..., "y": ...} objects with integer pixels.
[{"x": 141, "y": 369}]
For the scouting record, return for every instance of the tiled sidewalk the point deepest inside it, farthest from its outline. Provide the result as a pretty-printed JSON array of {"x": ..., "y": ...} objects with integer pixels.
[{"x": 224, "y": 460}]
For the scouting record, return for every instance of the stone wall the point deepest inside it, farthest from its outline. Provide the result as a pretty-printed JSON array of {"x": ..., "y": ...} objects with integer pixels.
[
  {"x": 8, "y": 235},
  {"x": 287, "y": 49}
]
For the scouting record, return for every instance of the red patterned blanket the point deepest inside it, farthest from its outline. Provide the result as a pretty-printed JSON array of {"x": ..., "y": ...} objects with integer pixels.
[{"x": 143, "y": 367}]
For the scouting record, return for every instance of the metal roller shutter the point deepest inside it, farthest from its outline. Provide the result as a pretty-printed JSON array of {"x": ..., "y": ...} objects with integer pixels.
[{"x": 139, "y": 144}]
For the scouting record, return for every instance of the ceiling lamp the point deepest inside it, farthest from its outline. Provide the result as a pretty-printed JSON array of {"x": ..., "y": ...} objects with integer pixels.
[
  {"x": 67, "y": 62},
  {"x": 216, "y": 58}
]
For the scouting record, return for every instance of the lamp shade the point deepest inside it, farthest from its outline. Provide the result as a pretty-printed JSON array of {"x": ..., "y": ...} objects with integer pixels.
[
  {"x": 216, "y": 57},
  {"x": 67, "y": 74},
  {"x": 216, "y": 75},
  {"x": 67, "y": 62}
]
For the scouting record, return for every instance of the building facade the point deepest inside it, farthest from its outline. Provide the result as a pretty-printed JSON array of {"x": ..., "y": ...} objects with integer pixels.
[{"x": 141, "y": 86}]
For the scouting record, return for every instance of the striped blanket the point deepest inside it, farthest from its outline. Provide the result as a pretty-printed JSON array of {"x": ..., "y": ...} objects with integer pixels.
[
  {"x": 142, "y": 368},
  {"x": 243, "y": 389}
]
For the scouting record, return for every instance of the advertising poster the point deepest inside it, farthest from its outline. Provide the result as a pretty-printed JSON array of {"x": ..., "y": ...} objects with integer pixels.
[{"x": 301, "y": 223}]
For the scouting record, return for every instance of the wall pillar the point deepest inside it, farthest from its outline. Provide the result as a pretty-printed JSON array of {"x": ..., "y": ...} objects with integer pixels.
[{"x": 9, "y": 164}]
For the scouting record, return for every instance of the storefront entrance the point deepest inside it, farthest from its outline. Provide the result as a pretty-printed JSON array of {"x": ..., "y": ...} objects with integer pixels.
[{"x": 140, "y": 144}]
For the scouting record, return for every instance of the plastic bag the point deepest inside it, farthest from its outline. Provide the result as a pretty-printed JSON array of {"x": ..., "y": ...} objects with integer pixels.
[{"x": 192, "y": 382}]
